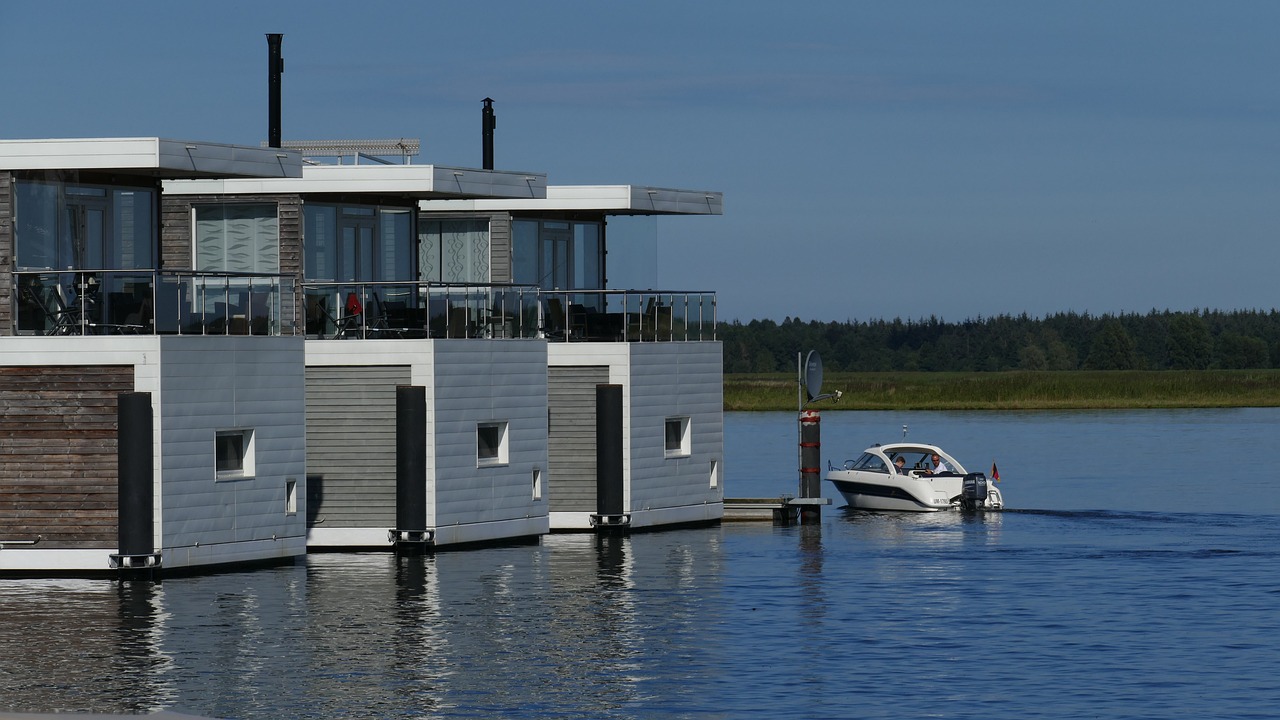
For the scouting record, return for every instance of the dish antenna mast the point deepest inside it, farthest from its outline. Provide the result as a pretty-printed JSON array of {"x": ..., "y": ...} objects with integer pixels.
[{"x": 809, "y": 390}]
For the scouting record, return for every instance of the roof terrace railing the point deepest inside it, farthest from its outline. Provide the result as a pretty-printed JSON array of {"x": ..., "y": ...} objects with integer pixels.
[
  {"x": 630, "y": 315},
  {"x": 463, "y": 310},
  {"x": 420, "y": 310},
  {"x": 151, "y": 302}
]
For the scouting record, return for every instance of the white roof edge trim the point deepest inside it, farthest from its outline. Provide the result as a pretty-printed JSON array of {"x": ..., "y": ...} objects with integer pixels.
[
  {"x": 414, "y": 180},
  {"x": 620, "y": 199},
  {"x": 157, "y": 156}
]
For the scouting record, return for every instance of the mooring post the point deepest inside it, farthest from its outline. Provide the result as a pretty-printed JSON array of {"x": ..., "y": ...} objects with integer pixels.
[
  {"x": 411, "y": 532},
  {"x": 810, "y": 460},
  {"x": 610, "y": 491},
  {"x": 135, "y": 483}
]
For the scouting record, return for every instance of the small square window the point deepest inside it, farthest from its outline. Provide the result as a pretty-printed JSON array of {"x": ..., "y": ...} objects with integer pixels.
[
  {"x": 491, "y": 443},
  {"x": 233, "y": 453},
  {"x": 677, "y": 437}
]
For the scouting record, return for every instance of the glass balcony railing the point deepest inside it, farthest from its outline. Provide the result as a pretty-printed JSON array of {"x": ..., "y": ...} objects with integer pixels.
[
  {"x": 145, "y": 302},
  {"x": 629, "y": 315},
  {"x": 444, "y": 310},
  {"x": 420, "y": 310}
]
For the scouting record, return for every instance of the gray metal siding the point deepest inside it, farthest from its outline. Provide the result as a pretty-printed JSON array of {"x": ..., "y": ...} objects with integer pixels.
[
  {"x": 571, "y": 461},
  {"x": 351, "y": 445}
]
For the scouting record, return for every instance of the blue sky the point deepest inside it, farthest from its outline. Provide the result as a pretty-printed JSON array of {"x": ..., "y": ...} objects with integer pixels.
[{"x": 878, "y": 159}]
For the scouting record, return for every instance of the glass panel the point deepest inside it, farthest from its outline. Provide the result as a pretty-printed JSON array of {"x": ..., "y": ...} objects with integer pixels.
[
  {"x": 429, "y": 252},
  {"x": 365, "y": 268},
  {"x": 555, "y": 261},
  {"x": 347, "y": 264},
  {"x": 94, "y": 256},
  {"x": 237, "y": 238},
  {"x": 396, "y": 245},
  {"x": 524, "y": 252},
  {"x": 134, "y": 235},
  {"x": 487, "y": 442},
  {"x": 320, "y": 223},
  {"x": 586, "y": 256},
  {"x": 36, "y": 225},
  {"x": 632, "y": 259}
]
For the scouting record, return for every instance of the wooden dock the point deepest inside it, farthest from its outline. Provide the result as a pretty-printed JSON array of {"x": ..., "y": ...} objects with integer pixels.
[{"x": 782, "y": 510}]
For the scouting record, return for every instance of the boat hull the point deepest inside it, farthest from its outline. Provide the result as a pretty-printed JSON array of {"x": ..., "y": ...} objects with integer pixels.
[{"x": 901, "y": 497}]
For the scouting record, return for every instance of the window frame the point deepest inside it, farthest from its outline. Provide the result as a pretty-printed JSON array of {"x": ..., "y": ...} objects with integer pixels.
[
  {"x": 245, "y": 452},
  {"x": 494, "y": 452},
  {"x": 682, "y": 447}
]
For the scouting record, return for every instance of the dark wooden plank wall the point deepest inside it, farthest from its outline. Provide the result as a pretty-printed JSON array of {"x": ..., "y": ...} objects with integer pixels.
[
  {"x": 58, "y": 440},
  {"x": 176, "y": 250},
  {"x": 6, "y": 253}
]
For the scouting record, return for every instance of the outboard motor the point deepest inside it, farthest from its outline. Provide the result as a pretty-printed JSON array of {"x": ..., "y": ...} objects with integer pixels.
[{"x": 973, "y": 492}]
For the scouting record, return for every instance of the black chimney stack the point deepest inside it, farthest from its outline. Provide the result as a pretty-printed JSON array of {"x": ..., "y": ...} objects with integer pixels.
[
  {"x": 488, "y": 122},
  {"x": 275, "y": 67}
]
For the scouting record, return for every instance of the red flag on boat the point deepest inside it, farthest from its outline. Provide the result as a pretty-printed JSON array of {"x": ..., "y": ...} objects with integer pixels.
[{"x": 995, "y": 474}]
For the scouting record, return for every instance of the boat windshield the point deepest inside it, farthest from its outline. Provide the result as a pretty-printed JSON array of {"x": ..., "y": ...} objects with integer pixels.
[
  {"x": 915, "y": 459},
  {"x": 873, "y": 463}
]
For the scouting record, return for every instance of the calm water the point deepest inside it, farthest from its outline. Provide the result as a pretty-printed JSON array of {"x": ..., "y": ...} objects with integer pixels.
[{"x": 1135, "y": 576}]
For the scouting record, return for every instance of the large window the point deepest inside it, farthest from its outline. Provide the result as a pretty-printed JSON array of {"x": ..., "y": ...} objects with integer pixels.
[
  {"x": 454, "y": 251},
  {"x": 357, "y": 243},
  {"x": 557, "y": 254},
  {"x": 237, "y": 238},
  {"x": 67, "y": 226}
]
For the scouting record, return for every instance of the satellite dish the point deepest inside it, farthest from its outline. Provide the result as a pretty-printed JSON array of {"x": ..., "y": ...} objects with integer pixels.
[{"x": 813, "y": 374}]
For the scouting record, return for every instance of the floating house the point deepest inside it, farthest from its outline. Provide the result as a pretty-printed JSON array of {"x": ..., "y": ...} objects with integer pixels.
[
  {"x": 398, "y": 364},
  {"x": 153, "y": 415},
  {"x": 634, "y": 376},
  {"x": 484, "y": 291}
]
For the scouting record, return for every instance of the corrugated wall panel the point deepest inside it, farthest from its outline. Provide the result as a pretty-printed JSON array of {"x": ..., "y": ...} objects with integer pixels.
[
  {"x": 351, "y": 445},
  {"x": 571, "y": 462}
]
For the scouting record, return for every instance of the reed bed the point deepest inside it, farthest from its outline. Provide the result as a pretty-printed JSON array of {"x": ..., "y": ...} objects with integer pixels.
[{"x": 1057, "y": 390}]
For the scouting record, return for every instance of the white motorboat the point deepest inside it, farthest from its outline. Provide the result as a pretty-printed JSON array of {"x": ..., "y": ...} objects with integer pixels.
[{"x": 909, "y": 477}]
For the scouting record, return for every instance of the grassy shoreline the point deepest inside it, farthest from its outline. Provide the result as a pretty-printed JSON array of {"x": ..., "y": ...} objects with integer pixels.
[{"x": 1060, "y": 390}]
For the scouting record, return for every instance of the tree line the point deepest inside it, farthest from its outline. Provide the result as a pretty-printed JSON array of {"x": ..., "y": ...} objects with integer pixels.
[{"x": 1158, "y": 340}]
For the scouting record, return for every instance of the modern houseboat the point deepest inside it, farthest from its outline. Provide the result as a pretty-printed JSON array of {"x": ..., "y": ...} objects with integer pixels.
[
  {"x": 655, "y": 348},
  {"x": 485, "y": 289},
  {"x": 153, "y": 416},
  {"x": 376, "y": 329}
]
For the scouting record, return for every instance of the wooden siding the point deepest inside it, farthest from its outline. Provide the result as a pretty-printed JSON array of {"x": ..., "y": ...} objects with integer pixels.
[
  {"x": 58, "y": 461},
  {"x": 6, "y": 253},
  {"x": 351, "y": 445},
  {"x": 500, "y": 248},
  {"x": 571, "y": 482}
]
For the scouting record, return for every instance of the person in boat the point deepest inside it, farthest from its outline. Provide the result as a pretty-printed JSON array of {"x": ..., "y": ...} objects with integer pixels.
[
  {"x": 901, "y": 465},
  {"x": 939, "y": 466}
]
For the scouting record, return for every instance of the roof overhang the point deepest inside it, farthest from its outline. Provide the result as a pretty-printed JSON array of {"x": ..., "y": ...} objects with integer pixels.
[
  {"x": 151, "y": 157},
  {"x": 413, "y": 181},
  {"x": 604, "y": 199}
]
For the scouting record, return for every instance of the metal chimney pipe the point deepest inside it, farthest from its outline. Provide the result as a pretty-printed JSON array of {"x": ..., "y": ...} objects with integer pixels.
[
  {"x": 275, "y": 67},
  {"x": 488, "y": 123}
]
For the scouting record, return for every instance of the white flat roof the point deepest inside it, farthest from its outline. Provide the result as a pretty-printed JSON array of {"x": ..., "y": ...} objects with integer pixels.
[
  {"x": 153, "y": 157},
  {"x": 417, "y": 181},
  {"x": 606, "y": 199}
]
